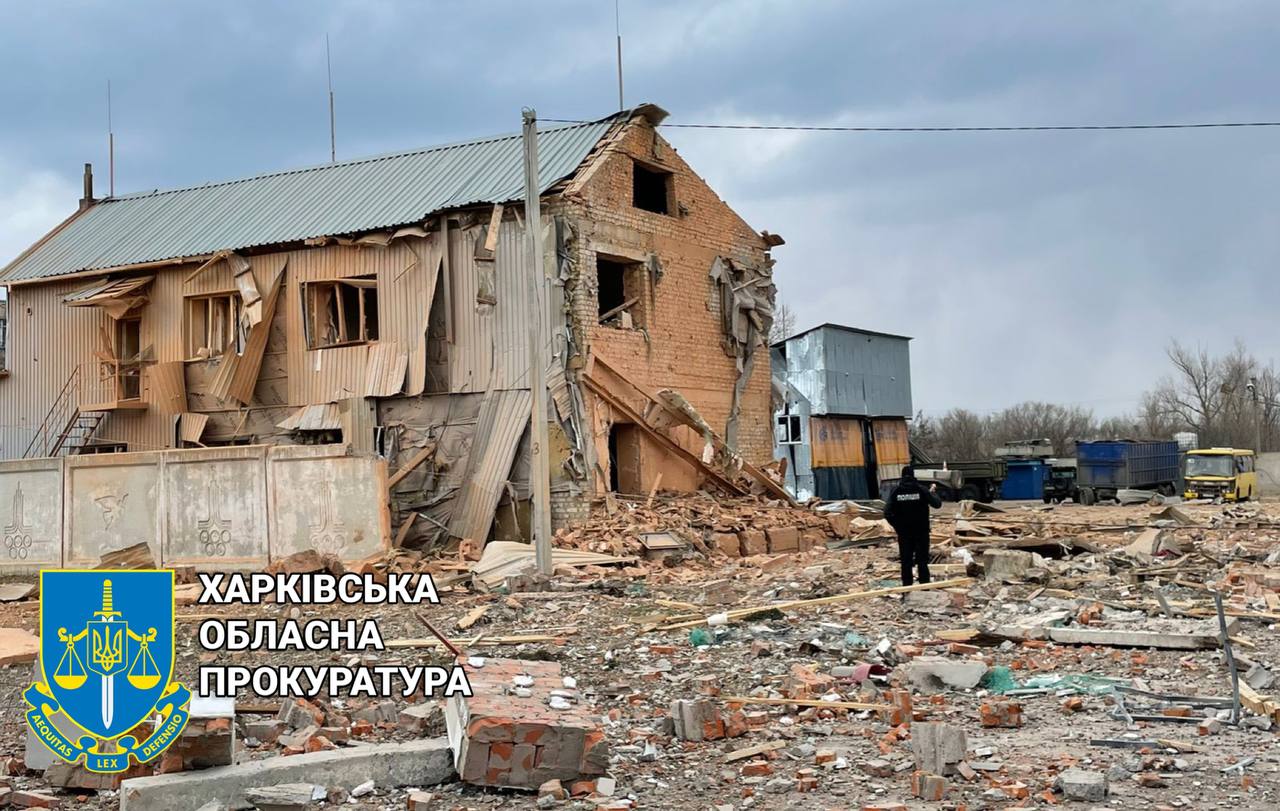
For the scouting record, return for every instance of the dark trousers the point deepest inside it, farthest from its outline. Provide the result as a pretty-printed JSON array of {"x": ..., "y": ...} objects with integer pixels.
[{"x": 914, "y": 551}]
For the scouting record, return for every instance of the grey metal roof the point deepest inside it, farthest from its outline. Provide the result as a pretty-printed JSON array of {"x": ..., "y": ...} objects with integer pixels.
[{"x": 290, "y": 206}]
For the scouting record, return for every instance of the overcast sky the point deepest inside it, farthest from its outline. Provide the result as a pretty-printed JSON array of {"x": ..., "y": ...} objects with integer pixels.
[{"x": 1052, "y": 266}]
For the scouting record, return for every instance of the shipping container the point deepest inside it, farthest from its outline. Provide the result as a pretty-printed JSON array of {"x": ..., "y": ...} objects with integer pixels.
[{"x": 1103, "y": 468}]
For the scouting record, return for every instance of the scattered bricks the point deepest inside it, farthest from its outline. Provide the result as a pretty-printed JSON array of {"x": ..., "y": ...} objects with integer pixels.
[
  {"x": 553, "y": 789},
  {"x": 421, "y": 801},
  {"x": 663, "y": 650},
  {"x": 957, "y": 648},
  {"x": 885, "y": 806},
  {"x": 806, "y": 780},
  {"x": 938, "y": 747},
  {"x": 929, "y": 787},
  {"x": 839, "y": 524},
  {"x": 1150, "y": 780},
  {"x": 812, "y": 539},
  {"x": 265, "y": 732},
  {"x": 1073, "y": 704},
  {"x": 753, "y": 542},
  {"x": 936, "y": 674},
  {"x": 1176, "y": 712},
  {"x": 697, "y": 720},
  {"x": 717, "y": 592},
  {"x": 1083, "y": 786},
  {"x": 878, "y": 768},
  {"x": 205, "y": 743},
  {"x": 426, "y": 719},
  {"x": 735, "y": 724},
  {"x": 1016, "y": 790},
  {"x": 804, "y": 683},
  {"x": 319, "y": 743},
  {"x": 757, "y": 719},
  {"x": 756, "y": 768},
  {"x": 519, "y": 741},
  {"x": 823, "y": 756},
  {"x": 34, "y": 799},
  {"x": 726, "y": 543},
  {"x": 384, "y": 712},
  {"x": 582, "y": 788},
  {"x": 1006, "y": 714},
  {"x": 900, "y": 711},
  {"x": 783, "y": 539},
  {"x": 1209, "y": 726},
  {"x": 300, "y": 713}
]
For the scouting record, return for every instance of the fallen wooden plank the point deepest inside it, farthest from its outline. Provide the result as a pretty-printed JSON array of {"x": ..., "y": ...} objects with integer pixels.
[
  {"x": 752, "y": 751},
  {"x": 742, "y": 613},
  {"x": 472, "y": 617},
  {"x": 489, "y": 641},
  {"x": 1259, "y": 704},
  {"x": 805, "y": 702}
]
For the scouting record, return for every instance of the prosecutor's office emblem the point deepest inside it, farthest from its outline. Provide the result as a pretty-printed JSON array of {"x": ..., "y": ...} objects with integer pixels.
[{"x": 106, "y": 651}]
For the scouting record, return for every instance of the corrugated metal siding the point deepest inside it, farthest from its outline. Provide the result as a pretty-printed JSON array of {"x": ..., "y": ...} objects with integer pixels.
[
  {"x": 836, "y": 442},
  {"x": 892, "y": 448},
  {"x": 867, "y": 374},
  {"x": 853, "y": 373},
  {"x": 504, "y": 416},
  {"x": 341, "y": 198}
]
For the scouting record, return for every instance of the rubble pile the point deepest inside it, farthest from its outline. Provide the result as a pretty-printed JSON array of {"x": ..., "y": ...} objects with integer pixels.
[{"x": 1068, "y": 656}]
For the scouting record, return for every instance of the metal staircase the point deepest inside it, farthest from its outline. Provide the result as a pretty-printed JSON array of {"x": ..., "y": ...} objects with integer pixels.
[{"x": 66, "y": 429}]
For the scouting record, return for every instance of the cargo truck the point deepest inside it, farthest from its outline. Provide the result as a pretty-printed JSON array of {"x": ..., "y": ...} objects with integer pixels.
[{"x": 1105, "y": 467}]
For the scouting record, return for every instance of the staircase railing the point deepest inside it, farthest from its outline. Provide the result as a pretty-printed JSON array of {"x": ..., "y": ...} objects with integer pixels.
[{"x": 63, "y": 412}]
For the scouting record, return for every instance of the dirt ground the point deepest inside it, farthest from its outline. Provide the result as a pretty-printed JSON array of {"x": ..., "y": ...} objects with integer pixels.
[{"x": 604, "y": 623}]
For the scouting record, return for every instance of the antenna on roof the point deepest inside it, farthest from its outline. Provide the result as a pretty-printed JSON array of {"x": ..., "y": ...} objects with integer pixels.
[
  {"x": 328, "y": 65},
  {"x": 111, "y": 148},
  {"x": 617, "y": 27}
]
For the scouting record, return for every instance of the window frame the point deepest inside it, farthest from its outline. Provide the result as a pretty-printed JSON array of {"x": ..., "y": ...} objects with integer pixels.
[
  {"x": 782, "y": 429},
  {"x": 359, "y": 285},
  {"x": 236, "y": 338}
]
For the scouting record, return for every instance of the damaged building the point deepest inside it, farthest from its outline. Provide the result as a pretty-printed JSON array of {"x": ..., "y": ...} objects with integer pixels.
[{"x": 260, "y": 357}]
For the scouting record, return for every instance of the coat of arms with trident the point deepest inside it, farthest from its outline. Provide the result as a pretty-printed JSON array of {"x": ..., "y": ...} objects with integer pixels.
[{"x": 89, "y": 614}]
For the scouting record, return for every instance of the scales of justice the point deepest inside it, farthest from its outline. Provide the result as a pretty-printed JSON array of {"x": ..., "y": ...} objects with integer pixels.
[{"x": 107, "y": 650}]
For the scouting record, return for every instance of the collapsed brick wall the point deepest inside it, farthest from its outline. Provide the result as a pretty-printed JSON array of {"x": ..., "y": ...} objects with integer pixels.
[{"x": 679, "y": 341}]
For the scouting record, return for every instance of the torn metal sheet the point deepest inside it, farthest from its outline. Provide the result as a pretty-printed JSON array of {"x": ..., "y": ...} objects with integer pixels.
[
  {"x": 320, "y": 417},
  {"x": 504, "y": 417}
]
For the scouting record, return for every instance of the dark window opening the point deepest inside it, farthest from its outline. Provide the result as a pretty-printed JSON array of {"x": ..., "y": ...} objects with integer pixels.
[
  {"x": 341, "y": 312},
  {"x": 650, "y": 189},
  {"x": 128, "y": 367},
  {"x": 620, "y": 298},
  {"x": 788, "y": 429}
]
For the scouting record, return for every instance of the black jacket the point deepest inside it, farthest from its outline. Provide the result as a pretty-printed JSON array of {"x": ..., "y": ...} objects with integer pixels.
[{"x": 907, "y": 509}]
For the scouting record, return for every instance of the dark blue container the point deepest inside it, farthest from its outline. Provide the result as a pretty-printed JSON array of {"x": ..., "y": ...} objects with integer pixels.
[
  {"x": 1119, "y": 464},
  {"x": 1025, "y": 480}
]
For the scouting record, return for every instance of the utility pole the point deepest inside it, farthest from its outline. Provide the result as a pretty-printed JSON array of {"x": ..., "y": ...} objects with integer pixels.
[
  {"x": 539, "y": 469},
  {"x": 617, "y": 27},
  {"x": 1257, "y": 415}
]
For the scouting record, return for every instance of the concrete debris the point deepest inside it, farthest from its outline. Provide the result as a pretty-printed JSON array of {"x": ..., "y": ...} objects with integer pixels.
[
  {"x": 936, "y": 674},
  {"x": 285, "y": 796},
  {"x": 414, "y": 763},
  {"x": 938, "y": 748}
]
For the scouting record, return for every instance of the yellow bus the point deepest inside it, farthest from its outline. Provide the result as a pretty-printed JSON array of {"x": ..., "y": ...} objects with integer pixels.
[{"x": 1221, "y": 472}]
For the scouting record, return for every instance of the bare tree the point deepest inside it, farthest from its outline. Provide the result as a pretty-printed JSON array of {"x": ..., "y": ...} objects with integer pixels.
[{"x": 784, "y": 323}]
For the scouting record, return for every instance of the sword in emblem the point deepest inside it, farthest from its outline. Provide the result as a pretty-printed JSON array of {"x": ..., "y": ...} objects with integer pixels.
[{"x": 108, "y": 682}]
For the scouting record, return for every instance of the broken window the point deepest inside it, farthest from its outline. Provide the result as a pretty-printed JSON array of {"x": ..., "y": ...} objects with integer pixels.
[
  {"x": 340, "y": 312},
  {"x": 787, "y": 429},
  {"x": 213, "y": 326},
  {"x": 128, "y": 366},
  {"x": 651, "y": 189},
  {"x": 620, "y": 293}
]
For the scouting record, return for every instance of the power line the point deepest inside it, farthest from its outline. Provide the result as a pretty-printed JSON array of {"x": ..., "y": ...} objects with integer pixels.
[{"x": 1021, "y": 128}]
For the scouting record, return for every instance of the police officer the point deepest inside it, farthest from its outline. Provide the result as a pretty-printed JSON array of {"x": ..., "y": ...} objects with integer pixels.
[{"x": 907, "y": 511}]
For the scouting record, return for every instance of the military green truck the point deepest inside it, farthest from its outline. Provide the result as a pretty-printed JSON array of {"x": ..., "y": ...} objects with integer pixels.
[{"x": 972, "y": 480}]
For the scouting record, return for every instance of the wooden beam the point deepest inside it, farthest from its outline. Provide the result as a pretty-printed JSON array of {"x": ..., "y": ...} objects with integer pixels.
[
  {"x": 661, "y": 438},
  {"x": 425, "y": 453},
  {"x": 806, "y": 702},
  {"x": 626, "y": 305}
]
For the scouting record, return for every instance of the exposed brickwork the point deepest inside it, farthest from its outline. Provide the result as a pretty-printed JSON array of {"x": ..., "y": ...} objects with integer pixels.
[
  {"x": 682, "y": 345},
  {"x": 503, "y": 739}
]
